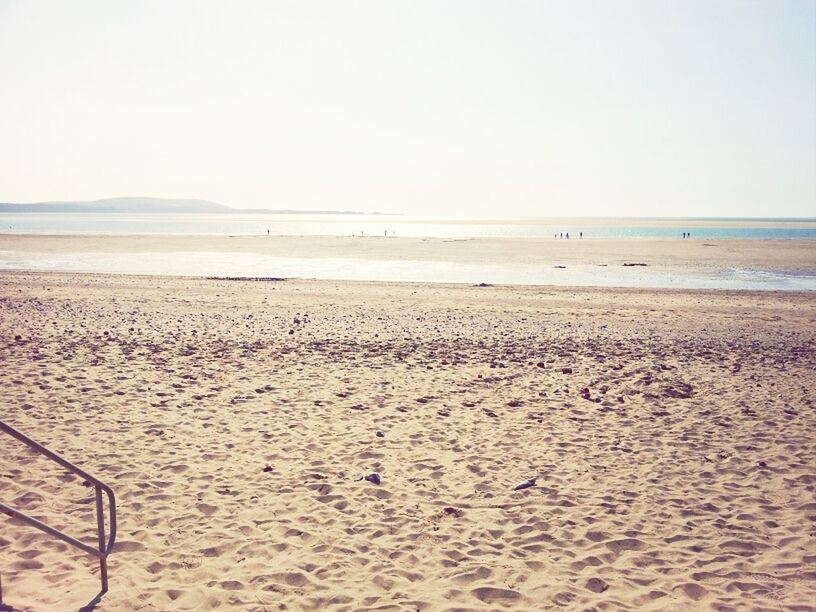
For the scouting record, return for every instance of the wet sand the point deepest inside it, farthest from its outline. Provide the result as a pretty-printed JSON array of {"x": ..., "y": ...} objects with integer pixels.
[
  {"x": 681, "y": 256},
  {"x": 670, "y": 432}
]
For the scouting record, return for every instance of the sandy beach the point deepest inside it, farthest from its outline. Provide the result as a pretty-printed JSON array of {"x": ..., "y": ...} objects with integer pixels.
[
  {"x": 408, "y": 307},
  {"x": 670, "y": 433}
]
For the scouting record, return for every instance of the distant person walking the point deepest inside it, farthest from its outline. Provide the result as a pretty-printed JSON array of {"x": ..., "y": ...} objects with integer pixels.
[
  {"x": 567, "y": 235},
  {"x": 580, "y": 235}
]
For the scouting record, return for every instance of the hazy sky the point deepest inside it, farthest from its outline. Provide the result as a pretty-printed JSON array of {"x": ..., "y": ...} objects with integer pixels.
[{"x": 442, "y": 107}]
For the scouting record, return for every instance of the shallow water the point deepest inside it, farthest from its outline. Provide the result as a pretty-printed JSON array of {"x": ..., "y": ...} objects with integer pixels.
[
  {"x": 378, "y": 225},
  {"x": 204, "y": 263}
]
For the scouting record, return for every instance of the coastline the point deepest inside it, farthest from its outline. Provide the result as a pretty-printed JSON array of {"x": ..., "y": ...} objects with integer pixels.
[
  {"x": 576, "y": 223},
  {"x": 727, "y": 264},
  {"x": 782, "y": 255}
]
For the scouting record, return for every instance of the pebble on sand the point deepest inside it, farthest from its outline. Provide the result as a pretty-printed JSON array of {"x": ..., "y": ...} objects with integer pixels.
[{"x": 374, "y": 478}]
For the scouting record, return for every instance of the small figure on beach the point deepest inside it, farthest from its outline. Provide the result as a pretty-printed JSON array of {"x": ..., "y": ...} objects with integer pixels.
[
  {"x": 580, "y": 235},
  {"x": 684, "y": 235},
  {"x": 562, "y": 236},
  {"x": 567, "y": 235},
  {"x": 267, "y": 232}
]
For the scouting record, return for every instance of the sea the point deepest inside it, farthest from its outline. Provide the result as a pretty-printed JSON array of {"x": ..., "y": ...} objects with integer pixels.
[
  {"x": 399, "y": 225},
  {"x": 241, "y": 264}
]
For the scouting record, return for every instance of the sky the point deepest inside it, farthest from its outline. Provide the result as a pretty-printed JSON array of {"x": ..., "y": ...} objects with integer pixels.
[{"x": 442, "y": 107}]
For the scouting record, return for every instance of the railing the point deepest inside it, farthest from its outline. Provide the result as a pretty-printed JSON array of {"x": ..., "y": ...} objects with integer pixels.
[{"x": 105, "y": 548}]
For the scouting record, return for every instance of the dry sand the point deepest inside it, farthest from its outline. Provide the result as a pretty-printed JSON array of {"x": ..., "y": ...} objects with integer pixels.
[{"x": 671, "y": 434}]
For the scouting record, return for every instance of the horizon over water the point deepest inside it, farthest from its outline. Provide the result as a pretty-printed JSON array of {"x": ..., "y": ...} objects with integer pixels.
[{"x": 312, "y": 224}]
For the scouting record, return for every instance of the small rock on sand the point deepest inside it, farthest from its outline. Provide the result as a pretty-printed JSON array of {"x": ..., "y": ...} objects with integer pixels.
[{"x": 373, "y": 478}]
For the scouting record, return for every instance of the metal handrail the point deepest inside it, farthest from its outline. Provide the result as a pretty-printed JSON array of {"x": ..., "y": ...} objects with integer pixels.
[{"x": 105, "y": 548}]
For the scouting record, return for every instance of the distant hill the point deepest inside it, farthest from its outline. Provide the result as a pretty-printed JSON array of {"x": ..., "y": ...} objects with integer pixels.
[
  {"x": 120, "y": 205},
  {"x": 153, "y": 205}
]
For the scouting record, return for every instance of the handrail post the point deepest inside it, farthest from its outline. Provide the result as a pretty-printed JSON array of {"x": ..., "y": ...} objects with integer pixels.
[
  {"x": 105, "y": 548},
  {"x": 3, "y": 607},
  {"x": 100, "y": 527}
]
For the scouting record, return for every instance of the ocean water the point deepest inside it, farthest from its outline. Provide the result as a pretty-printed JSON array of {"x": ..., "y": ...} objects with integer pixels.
[
  {"x": 220, "y": 264},
  {"x": 378, "y": 225}
]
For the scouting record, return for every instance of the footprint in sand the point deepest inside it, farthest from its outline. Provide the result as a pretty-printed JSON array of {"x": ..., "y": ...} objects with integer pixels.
[{"x": 492, "y": 595}]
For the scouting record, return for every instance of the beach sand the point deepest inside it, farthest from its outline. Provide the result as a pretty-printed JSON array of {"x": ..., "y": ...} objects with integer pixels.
[{"x": 670, "y": 432}]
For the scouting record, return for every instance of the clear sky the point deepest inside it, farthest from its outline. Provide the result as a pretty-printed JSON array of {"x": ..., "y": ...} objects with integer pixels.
[{"x": 504, "y": 108}]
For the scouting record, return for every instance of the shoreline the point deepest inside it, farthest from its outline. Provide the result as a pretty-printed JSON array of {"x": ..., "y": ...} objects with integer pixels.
[
  {"x": 399, "y": 219},
  {"x": 788, "y": 265},
  {"x": 775, "y": 253},
  {"x": 87, "y": 277}
]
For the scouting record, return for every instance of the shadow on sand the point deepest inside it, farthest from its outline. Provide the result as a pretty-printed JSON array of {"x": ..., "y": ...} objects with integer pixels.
[{"x": 88, "y": 607}]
